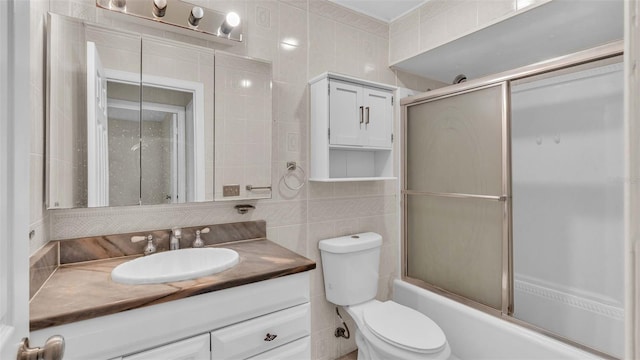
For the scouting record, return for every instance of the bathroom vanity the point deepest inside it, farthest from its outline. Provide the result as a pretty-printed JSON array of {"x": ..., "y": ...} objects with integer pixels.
[{"x": 257, "y": 309}]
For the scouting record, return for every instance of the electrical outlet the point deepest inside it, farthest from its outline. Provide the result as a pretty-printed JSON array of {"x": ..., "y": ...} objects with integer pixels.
[{"x": 230, "y": 190}]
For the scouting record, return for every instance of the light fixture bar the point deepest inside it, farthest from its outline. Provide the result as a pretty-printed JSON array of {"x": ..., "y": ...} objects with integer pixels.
[{"x": 181, "y": 17}]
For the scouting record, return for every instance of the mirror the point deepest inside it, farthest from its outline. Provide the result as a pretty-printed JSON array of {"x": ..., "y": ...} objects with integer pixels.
[{"x": 135, "y": 119}]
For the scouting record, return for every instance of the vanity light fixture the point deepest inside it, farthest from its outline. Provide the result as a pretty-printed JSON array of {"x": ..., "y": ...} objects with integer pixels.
[
  {"x": 230, "y": 22},
  {"x": 159, "y": 8},
  {"x": 181, "y": 16},
  {"x": 196, "y": 15}
]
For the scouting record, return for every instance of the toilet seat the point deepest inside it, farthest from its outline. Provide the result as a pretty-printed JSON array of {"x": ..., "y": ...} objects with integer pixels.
[{"x": 404, "y": 327}]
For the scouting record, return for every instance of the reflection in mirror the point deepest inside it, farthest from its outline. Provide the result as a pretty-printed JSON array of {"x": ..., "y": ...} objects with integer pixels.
[
  {"x": 243, "y": 126},
  {"x": 124, "y": 140},
  {"x": 131, "y": 120},
  {"x": 82, "y": 57},
  {"x": 177, "y": 122}
]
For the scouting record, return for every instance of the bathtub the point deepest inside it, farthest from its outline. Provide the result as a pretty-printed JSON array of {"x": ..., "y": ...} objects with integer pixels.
[{"x": 473, "y": 334}]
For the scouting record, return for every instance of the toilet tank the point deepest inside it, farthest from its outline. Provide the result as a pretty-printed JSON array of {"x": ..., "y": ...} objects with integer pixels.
[{"x": 350, "y": 267}]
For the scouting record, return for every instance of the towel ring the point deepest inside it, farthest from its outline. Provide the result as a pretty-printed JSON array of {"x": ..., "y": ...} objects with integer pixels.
[{"x": 291, "y": 167}]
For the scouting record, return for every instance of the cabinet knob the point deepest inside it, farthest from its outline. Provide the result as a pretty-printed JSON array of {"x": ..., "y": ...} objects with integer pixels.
[
  {"x": 270, "y": 337},
  {"x": 53, "y": 349}
]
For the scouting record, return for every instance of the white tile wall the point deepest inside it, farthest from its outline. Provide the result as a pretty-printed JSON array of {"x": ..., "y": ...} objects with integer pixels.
[
  {"x": 440, "y": 21},
  {"x": 302, "y": 38}
]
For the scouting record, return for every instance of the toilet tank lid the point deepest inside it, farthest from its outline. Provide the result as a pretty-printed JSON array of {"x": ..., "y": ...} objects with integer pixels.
[{"x": 351, "y": 243}]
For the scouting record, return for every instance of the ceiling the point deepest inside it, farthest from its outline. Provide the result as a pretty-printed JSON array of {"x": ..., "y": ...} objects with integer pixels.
[{"x": 385, "y": 10}]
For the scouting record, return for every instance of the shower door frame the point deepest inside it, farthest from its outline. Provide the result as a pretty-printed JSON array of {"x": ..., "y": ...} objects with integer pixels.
[{"x": 603, "y": 52}]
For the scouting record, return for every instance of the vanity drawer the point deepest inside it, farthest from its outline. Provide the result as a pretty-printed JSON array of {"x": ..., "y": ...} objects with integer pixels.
[
  {"x": 258, "y": 335},
  {"x": 297, "y": 350}
]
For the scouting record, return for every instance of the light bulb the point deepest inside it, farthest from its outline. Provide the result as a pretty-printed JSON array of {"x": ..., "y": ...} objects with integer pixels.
[
  {"x": 196, "y": 15},
  {"x": 230, "y": 21},
  {"x": 159, "y": 8},
  {"x": 119, "y": 4}
]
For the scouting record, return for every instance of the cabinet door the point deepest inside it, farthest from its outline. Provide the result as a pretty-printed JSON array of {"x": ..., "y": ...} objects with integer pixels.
[
  {"x": 346, "y": 113},
  {"x": 378, "y": 115},
  {"x": 263, "y": 333},
  {"x": 195, "y": 348}
]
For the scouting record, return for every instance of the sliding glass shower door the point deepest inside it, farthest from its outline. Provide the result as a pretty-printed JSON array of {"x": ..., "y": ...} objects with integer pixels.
[
  {"x": 456, "y": 195},
  {"x": 513, "y": 198},
  {"x": 568, "y": 203}
]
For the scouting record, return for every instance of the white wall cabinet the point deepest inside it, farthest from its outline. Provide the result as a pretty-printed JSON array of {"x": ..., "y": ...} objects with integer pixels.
[
  {"x": 360, "y": 116},
  {"x": 351, "y": 129}
]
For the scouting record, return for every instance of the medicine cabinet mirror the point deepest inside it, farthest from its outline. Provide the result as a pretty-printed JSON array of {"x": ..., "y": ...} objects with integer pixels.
[{"x": 136, "y": 119}]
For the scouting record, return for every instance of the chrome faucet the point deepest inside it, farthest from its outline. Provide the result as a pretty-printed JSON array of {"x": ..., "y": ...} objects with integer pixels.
[
  {"x": 198, "y": 243},
  {"x": 150, "y": 248},
  {"x": 176, "y": 235}
]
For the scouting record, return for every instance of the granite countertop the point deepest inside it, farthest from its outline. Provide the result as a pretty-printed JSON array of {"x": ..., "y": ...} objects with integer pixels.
[{"x": 84, "y": 290}]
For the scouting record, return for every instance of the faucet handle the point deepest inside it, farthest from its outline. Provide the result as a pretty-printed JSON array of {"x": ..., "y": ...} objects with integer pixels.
[
  {"x": 177, "y": 232},
  {"x": 135, "y": 239},
  {"x": 150, "y": 248},
  {"x": 198, "y": 243}
]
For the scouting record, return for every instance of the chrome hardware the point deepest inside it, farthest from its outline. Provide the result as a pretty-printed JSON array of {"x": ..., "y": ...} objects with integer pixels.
[
  {"x": 456, "y": 195},
  {"x": 342, "y": 331},
  {"x": 53, "y": 349},
  {"x": 361, "y": 114},
  {"x": 176, "y": 235},
  {"x": 367, "y": 121},
  {"x": 251, "y": 188},
  {"x": 198, "y": 243},
  {"x": 195, "y": 16},
  {"x": 150, "y": 248},
  {"x": 179, "y": 16},
  {"x": 244, "y": 208},
  {"x": 291, "y": 167},
  {"x": 270, "y": 337},
  {"x": 159, "y": 8}
]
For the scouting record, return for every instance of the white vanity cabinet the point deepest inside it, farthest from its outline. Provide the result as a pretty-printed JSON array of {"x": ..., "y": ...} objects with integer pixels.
[
  {"x": 248, "y": 338},
  {"x": 351, "y": 129},
  {"x": 195, "y": 348},
  {"x": 296, "y": 350},
  {"x": 265, "y": 337},
  {"x": 258, "y": 319}
]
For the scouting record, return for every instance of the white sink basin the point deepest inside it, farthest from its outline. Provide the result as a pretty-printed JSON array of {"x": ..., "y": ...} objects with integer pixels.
[{"x": 175, "y": 265}]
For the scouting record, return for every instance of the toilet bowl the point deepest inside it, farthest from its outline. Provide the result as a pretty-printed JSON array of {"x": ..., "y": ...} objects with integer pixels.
[
  {"x": 388, "y": 330},
  {"x": 385, "y": 330}
]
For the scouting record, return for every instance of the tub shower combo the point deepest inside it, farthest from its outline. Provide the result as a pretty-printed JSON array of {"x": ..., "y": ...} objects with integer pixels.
[{"x": 513, "y": 199}]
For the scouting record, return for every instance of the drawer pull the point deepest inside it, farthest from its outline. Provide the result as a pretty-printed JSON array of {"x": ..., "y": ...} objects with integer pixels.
[{"x": 270, "y": 337}]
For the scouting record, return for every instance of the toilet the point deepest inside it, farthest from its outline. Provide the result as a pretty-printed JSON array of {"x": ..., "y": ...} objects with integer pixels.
[{"x": 385, "y": 330}]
